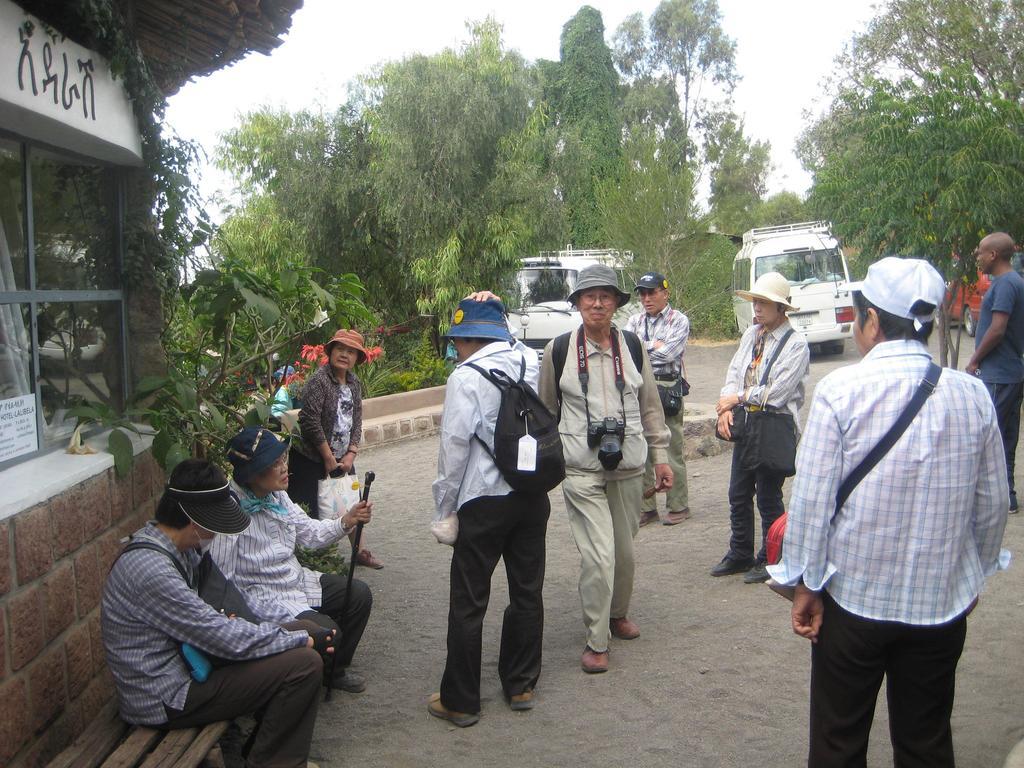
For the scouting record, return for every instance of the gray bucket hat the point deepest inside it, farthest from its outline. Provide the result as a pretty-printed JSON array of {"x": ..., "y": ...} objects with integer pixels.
[{"x": 598, "y": 276}]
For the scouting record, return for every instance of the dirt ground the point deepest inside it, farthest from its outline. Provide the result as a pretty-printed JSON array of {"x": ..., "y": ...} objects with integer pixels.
[{"x": 717, "y": 678}]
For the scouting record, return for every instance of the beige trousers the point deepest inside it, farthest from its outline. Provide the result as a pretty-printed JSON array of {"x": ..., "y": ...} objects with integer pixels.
[
  {"x": 603, "y": 521},
  {"x": 677, "y": 498}
]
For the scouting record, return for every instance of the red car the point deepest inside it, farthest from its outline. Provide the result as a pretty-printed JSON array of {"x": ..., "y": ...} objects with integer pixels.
[{"x": 970, "y": 295}]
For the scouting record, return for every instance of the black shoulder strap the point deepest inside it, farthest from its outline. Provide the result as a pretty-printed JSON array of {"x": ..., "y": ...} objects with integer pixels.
[
  {"x": 636, "y": 349},
  {"x": 132, "y": 545},
  {"x": 775, "y": 356},
  {"x": 559, "y": 351},
  {"x": 924, "y": 391}
]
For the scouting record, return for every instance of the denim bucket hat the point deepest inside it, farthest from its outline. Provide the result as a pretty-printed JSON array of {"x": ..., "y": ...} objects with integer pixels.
[
  {"x": 480, "y": 320},
  {"x": 253, "y": 450}
]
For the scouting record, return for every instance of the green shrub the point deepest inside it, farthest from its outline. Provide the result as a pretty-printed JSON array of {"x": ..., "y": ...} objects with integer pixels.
[{"x": 426, "y": 370}]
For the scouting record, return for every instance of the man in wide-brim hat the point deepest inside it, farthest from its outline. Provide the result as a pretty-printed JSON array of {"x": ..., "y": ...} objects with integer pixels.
[
  {"x": 770, "y": 344},
  {"x": 601, "y": 385}
]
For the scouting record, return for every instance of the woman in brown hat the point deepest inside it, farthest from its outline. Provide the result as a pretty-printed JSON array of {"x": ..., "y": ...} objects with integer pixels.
[{"x": 330, "y": 424}]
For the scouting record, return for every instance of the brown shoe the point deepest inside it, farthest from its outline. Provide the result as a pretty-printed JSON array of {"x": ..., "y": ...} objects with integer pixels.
[
  {"x": 650, "y": 516},
  {"x": 675, "y": 518},
  {"x": 460, "y": 719},
  {"x": 593, "y": 662},
  {"x": 365, "y": 558},
  {"x": 521, "y": 702},
  {"x": 624, "y": 629}
]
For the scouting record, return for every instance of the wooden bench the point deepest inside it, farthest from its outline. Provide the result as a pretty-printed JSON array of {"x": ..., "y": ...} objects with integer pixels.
[{"x": 109, "y": 742}]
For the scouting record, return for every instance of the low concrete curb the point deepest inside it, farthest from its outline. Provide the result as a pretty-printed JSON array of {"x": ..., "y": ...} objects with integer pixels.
[{"x": 418, "y": 414}]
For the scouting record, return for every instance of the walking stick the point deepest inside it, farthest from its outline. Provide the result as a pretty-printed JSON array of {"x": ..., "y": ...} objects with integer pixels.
[{"x": 364, "y": 494}]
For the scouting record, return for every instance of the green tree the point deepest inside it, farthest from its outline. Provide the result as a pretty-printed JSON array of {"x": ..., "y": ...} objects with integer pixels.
[
  {"x": 316, "y": 166},
  {"x": 739, "y": 175},
  {"x": 780, "y": 208},
  {"x": 684, "y": 50},
  {"x": 458, "y": 165},
  {"x": 923, "y": 167},
  {"x": 581, "y": 90}
]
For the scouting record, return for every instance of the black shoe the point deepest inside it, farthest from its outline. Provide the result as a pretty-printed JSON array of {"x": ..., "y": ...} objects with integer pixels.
[
  {"x": 349, "y": 681},
  {"x": 756, "y": 575},
  {"x": 729, "y": 566}
]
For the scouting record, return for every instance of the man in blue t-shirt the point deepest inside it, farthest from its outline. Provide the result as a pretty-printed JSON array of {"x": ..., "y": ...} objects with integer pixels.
[{"x": 997, "y": 356}]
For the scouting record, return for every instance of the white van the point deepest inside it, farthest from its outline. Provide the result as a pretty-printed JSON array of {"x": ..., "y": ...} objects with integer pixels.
[
  {"x": 811, "y": 259},
  {"x": 543, "y": 282}
]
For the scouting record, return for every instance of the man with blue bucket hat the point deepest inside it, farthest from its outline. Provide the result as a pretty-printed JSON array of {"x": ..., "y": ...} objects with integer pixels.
[{"x": 484, "y": 519}]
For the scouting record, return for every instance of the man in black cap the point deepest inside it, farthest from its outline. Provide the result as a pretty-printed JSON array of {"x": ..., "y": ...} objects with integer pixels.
[
  {"x": 664, "y": 332},
  {"x": 151, "y": 610}
]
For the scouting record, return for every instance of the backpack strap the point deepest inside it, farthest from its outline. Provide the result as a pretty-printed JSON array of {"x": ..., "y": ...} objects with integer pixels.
[
  {"x": 636, "y": 349},
  {"x": 559, "y": 351},
  {"x": 875, "y": 455},
  {"x": 133, "y": 545}
]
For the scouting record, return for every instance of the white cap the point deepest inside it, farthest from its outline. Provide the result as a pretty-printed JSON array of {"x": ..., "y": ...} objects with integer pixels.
[{"x": 896, "y": 285}]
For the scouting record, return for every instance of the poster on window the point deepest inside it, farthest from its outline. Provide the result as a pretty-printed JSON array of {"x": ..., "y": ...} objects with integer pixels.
[{"x": 17, "y": 426}]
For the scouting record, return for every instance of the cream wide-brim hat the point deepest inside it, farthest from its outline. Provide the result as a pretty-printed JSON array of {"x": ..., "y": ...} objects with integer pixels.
[{"x": 770, "y": 286}]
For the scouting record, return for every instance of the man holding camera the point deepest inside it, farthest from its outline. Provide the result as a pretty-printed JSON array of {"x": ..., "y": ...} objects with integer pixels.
[
  {"x": 600, "y": 380},
  {"x": 665, "y": 331}
]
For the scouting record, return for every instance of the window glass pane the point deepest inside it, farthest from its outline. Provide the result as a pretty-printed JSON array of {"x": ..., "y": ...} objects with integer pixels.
[
  {"x": 79, "y": 362},
  {"x": 73, "y": 211},
  {"x": 17, "y": 402},
  {"x": 12, "y": 218}
]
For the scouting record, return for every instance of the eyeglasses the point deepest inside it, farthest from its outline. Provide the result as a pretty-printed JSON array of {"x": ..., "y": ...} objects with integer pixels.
[{"x": 597, "y": 298}]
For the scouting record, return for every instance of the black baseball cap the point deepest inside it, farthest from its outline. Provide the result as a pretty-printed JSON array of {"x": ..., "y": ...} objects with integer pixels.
[{"x": 651, "y": 281}]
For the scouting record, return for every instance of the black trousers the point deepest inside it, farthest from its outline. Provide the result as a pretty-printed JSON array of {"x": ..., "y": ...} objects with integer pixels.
[
  {"x": 1007, "y": 399},
  {"x": 847, "y": 664},
  {"x": 303, "y": 476},
  {"x": 743, "y": 487},
  {"x": 349, "y": 626},
  {"x": 514, "y": 528},
  {"x": 283, "y": 691}
]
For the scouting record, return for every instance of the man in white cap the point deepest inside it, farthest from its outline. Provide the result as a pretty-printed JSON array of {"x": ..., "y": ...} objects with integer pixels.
[{"x": 886, "y": 573}]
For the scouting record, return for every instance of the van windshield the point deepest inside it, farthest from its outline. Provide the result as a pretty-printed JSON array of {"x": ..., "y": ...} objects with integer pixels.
[
  {"x": 540, "y": 285},
  {"x": 804, "y": 267}
]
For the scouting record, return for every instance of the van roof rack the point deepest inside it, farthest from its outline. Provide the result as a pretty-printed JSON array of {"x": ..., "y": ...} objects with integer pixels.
[
  {"x": 609, "y": 256},
  {"x": 809, "y": 227}
]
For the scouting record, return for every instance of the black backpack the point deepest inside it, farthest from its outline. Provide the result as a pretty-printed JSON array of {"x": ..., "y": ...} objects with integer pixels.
[{"x": 522, "y": 413}]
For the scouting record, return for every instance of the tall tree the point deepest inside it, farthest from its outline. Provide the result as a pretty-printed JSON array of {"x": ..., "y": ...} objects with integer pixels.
[
  {"x": 581, "y": 90},
  {"x": 316, "y": 166},
  {"x": 923, "y": 167},
  {"x": 458, "y": 165},
  {"x": 739, "y": 175},
  {"x": 684, "y": 50}
]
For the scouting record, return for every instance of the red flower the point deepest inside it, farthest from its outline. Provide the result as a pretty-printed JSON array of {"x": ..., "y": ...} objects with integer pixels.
[{"x": 373, "y": 353}]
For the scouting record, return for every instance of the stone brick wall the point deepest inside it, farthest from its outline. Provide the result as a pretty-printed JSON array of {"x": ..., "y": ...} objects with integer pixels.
[{"x": 54, "y": 558}]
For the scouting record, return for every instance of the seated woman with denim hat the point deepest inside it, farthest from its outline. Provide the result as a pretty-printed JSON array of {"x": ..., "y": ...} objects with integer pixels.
[{"x": 261, "y": 559}]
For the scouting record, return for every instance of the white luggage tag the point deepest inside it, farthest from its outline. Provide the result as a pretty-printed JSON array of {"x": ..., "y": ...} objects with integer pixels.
[{"x": 527, "y": 459}]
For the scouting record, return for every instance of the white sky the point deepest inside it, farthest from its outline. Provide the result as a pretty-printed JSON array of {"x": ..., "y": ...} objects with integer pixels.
[{"x": 785, "y": 49}]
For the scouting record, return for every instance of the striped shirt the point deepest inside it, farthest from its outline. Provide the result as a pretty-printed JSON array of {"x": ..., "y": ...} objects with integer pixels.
[
  {"x": 148, "y": 611},
  {"x": 919, "y": 534},
  {"x": 261, "y": 559},
  {"x": 672, "y": 328},
  {"x": 788, "y": 377}
]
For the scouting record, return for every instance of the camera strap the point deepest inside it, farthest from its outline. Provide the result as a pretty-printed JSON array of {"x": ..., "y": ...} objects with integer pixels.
[{"x": 583, "y": 370}]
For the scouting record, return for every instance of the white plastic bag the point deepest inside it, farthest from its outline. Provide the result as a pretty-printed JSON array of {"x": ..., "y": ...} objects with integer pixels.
[
  {"x": 446, "y": 530},
  {"x": 336, "y": 495}
]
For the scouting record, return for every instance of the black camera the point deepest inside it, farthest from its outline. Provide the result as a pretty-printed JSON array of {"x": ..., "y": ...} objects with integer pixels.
[{"x": 607, "y": 436}]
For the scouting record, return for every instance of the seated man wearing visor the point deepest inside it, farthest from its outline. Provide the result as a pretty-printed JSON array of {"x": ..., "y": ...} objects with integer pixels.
[{"x": 154, "y": 622}]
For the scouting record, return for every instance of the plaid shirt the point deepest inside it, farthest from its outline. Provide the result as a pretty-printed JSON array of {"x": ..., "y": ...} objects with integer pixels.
[
  {"x": 919, "y": 534},
  {"x": 148, "y": 611},
  {"x": 788, "y": 377},
  {"x": 672, "y": 328}
]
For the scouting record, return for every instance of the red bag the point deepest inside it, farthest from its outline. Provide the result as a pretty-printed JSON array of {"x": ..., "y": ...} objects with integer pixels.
[{"x": 773, "y": 544}]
